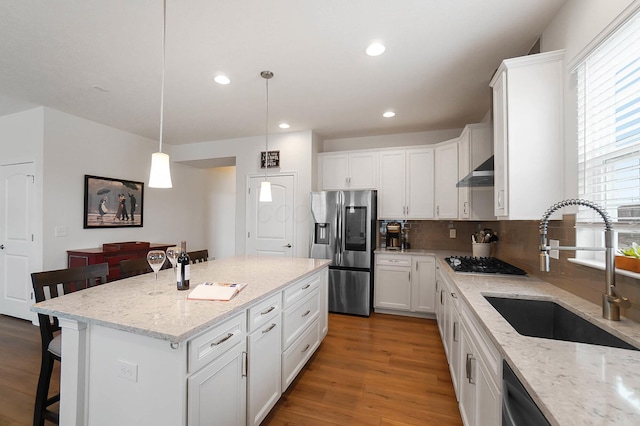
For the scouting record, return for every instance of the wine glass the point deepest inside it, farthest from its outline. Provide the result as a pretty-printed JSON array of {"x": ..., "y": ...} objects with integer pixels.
[
  {"x": 172, "y": 255},
  {"x": 156, "y": 259}
]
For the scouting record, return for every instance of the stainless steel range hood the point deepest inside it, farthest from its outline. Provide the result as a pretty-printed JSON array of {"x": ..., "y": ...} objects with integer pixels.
[{"x": 481, "y": 176}]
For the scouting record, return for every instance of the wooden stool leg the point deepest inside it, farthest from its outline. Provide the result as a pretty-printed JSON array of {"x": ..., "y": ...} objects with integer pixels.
[{"x": 46, "y": 368}]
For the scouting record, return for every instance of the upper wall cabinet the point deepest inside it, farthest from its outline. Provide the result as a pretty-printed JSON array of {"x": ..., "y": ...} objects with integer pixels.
[
  {"x": 405, "y": 188},
  {"x": 528, "y": 130},
  {"x": 446, "y": 178},
  {"x": 348, "y": 170},
  {"x": 475, "y": 146}
]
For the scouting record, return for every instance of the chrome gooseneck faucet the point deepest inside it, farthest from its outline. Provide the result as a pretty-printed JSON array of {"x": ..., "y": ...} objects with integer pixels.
[{"x": 612, "y": 301}]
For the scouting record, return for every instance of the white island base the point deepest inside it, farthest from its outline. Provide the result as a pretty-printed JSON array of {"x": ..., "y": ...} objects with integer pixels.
[{"x": 138, "y": 353}]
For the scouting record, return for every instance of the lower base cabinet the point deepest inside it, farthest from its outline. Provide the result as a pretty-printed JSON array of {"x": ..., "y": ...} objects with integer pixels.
[
  {"x": 405, "y": 282},
  {"x": 239, "y": 383},
  {"x": 225, "y": 379},
  {"x": 474, "y": 362}
]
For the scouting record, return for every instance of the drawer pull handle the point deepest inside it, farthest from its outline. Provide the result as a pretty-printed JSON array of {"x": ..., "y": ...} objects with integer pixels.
[
  {"x": 267, "y": 311},
  {"x": 306, "y": 286},
  {"x": 224, "y": 339},
  {"x": 306, "y": 313},
  {"x": 271, "y": 327},
  {"x": 305, "y": 348}
]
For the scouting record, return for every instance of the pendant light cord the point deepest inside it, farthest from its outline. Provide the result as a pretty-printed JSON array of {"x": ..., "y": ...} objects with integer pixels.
[
  {"x": 267, "y": 75},
  {"x": 164, "y": 29}
]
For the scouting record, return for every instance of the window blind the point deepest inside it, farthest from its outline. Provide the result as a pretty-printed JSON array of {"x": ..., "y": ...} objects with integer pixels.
[{"x": 608, "y": 94}]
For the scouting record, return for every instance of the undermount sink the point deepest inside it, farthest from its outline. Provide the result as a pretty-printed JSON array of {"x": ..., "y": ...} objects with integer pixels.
[{"x": 546, "y": 319}]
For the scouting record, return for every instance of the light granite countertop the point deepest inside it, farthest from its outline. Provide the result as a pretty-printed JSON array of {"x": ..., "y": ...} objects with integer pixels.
[
  {"x": 572, "y": 383},
  {"x": 141, "y": 306}
]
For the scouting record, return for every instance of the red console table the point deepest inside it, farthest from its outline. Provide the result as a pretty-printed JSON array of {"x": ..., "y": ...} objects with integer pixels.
[{"x": 112, "y": 253}]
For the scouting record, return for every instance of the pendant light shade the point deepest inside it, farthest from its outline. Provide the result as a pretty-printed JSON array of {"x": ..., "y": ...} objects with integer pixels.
[
  {"x": 160, "y": 174},
  {"x": 265, "y": 192},
  {"x": 265, "y": 187}
]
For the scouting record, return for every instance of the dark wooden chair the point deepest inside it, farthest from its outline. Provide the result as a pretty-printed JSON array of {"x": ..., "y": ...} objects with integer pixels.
[
  {"x": 47, "y": 285},
  {"x": 198, "y": 256},
  {"x": 133, "y": 267}
]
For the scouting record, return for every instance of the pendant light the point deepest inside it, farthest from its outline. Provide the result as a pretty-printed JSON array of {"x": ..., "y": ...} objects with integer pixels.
[
  {"x": 160, "y": 175},
  {"x": 265, "y": 187}
]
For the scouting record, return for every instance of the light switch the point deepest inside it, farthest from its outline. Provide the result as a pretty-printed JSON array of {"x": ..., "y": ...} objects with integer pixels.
[{"x": 60, "y": 231}]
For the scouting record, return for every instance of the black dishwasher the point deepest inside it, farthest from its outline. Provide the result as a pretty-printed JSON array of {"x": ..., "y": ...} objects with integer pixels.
[{"x": 518, "y": 409}]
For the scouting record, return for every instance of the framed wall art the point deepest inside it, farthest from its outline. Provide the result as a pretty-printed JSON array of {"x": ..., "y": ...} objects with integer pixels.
[{"x": 112, "y": 203}]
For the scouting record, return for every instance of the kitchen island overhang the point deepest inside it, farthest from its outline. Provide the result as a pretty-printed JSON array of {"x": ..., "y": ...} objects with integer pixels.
[{"x": 152, "y": 324}]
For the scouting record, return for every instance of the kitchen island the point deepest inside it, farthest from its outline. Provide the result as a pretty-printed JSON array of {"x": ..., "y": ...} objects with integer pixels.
[{"x": 139, "y": 352}]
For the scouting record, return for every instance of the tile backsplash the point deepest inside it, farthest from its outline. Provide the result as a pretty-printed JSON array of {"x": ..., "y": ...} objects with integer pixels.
[{"x": 518, "y": 244}]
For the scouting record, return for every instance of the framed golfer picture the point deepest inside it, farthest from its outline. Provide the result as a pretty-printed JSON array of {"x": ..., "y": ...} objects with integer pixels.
[{"x": 112, "y": 203}]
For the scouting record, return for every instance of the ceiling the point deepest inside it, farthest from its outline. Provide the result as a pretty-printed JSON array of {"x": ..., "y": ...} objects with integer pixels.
[{"x": 439, "y": 58}]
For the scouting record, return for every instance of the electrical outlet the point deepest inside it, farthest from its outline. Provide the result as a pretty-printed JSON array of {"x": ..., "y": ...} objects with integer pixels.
[
  {"x": 452, "y": 233},
  {"x": 128, "y": 370},
  {"x": 554, "y": 254}
]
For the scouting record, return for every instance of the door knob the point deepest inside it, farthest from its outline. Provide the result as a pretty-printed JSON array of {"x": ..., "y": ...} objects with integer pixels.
[{"x": 287, "y": 246}]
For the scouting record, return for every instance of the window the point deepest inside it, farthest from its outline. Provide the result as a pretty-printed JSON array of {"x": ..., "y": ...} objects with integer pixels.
[{"x": 608, "y": 93}]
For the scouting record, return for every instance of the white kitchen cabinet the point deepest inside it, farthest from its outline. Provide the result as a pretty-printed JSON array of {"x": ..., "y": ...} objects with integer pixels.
[
  {"x": 446, "y": 178},
  {"x": 423, "y": 284},
  {"x": 475, "y": 146},
  {"x": 301, "y": 320},
  {"x": 405, "y": 283},
  {"x": 406, "y": 184},
  {"x": 348, "y": 170},
  {"x": 528, "y": 135},
  {"x": 480, "y": 375},
  {"x": 440, "y": 303},
  {"x": 264, "y": 359},
  {"x": 392, "y": 289},
  {"x": 218, "y": 391},
  {"x": 217, "y": 387}
]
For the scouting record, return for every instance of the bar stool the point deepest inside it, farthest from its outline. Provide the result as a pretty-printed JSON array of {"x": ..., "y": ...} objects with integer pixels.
[{"x": 47, "y": 285}]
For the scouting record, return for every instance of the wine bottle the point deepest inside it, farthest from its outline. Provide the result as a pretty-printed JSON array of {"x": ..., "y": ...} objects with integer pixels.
[{"x": 183, "y": 269}]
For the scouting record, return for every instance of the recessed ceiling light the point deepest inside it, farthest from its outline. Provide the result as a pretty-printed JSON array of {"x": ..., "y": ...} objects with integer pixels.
[
  {"x": 389, "y": 114},
  {"x": 375, "y": 49},
  {"x": 284, "y": 125},
  {"x": 222, "y": 79}
]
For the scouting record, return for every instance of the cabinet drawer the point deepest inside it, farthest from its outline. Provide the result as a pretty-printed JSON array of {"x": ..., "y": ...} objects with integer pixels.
[
  {"x": 294, "y": 358},
  {"x": 214, "y": 342},
  {"x": 264, "y": 311},
  {"x": 300, "y": 289},
  {"x": 486, "y": 348},
  {"x": 298, "y": 317},
  {"x": 393, "y": 260}
]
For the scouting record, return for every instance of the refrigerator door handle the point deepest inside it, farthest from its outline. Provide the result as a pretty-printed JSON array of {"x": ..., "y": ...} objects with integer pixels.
[{"x": 339, "y": 229}]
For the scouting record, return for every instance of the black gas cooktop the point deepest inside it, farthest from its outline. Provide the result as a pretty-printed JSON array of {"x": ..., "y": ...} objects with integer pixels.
[{"x": 482, "y": 265}]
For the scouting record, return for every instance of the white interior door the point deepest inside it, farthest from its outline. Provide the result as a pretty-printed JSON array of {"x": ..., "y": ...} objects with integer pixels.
[
  {"x": 270, "y": 225},
  {"x": 17, "y": 246}
]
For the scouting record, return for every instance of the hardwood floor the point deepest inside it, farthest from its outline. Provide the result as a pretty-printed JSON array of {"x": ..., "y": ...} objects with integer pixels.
[
  {"x": 19, "y": 369},
  {"x": 384, "y": 370}
]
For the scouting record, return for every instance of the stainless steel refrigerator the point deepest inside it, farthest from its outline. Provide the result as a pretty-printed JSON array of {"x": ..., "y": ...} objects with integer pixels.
[{"x": 343, "y": 227}]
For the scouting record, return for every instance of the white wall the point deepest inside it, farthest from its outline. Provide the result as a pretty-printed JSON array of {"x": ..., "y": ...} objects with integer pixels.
[
  {"x": 388, "y": 141},
  {"x": 572, "y": 29},
  {"x": 295, "y": 156},
  {"x": 74, "y": 147},
  {"x": 222, "y": 211}
]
